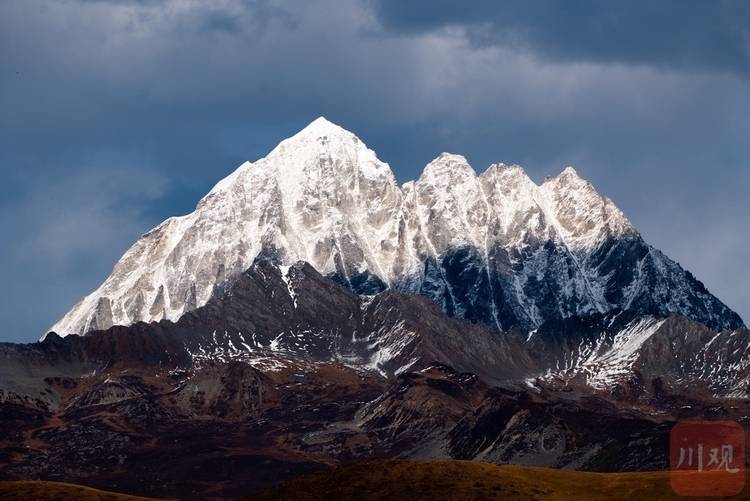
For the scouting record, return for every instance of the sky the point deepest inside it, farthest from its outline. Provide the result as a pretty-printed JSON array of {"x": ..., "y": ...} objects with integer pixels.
[{"x": 116, "y": 114}]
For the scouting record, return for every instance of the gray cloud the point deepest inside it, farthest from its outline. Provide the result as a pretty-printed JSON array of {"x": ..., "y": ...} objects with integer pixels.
[
  {"x": 179, "y": 92},
  {"x": 685, "y": 34},
  {"x": 65, "y": 233}
]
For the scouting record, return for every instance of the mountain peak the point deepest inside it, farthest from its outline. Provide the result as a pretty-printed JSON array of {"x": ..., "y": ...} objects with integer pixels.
[
  {"x": 448, "y": 166},
  {"x": 506, "y": 170},
  {"x": 320, "y": 138},
  {"x": 454, "y": 157},
  {"x": 567, "y": 176},
  {"x": 569, "y": 171},
  {"x": 321, "y": 126}
]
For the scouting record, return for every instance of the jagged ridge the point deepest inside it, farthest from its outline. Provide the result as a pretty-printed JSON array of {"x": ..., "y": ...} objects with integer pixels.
[{"x": 494, "y": 248}]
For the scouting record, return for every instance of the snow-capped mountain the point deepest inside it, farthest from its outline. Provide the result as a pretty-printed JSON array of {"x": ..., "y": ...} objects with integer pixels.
[{"x": 495, "y": 247}]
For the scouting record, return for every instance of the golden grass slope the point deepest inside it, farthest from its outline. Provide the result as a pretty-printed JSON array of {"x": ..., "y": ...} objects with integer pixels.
[
  {"x": 49, "y": 491},
  {"x": 457, "y": 480},
  {"x": 417, "y": 480}
]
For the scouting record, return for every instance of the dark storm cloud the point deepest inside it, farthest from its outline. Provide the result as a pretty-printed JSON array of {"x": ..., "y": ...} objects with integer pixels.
[
  {"x": 156, "y": 101},
  {"x": 689, "y": 34},
  {"x": 122, "y": 2}
]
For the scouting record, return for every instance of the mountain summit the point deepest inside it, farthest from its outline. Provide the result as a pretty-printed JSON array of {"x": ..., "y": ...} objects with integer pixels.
[{"x": 494, "y": 248}]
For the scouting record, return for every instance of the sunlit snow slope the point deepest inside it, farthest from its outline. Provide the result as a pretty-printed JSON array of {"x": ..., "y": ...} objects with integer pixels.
[{"x": 495, "y": 247}]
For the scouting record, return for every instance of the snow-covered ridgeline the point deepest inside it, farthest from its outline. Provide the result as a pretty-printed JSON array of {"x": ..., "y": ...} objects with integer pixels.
[
  {"x": 323, "y": 197},
  {"x": 679, "y": 352}
]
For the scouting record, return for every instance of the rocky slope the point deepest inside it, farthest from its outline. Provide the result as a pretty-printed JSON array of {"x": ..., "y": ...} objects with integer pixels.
[
  {"x": 495, "y": 247},
  {"x": 296, "y": 312},
  {"x": 284, "y": 371}
]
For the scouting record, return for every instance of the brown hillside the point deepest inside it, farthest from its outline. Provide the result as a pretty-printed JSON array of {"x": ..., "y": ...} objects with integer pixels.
[
  {"x": 455, "y": 480},
  {"x": 48, "y": 491}
]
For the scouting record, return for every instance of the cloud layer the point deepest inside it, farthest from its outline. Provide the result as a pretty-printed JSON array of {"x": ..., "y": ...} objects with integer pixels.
[
  {"x": 118, "y": 114},
  {"x": 682, "y": 34}
]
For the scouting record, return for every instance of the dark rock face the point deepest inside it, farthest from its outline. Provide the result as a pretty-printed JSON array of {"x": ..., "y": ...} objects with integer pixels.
[
  {"x": 456, "y": 412},
  {"x": 526, "y": 287},
  {"x": 360, "y": 283}
]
